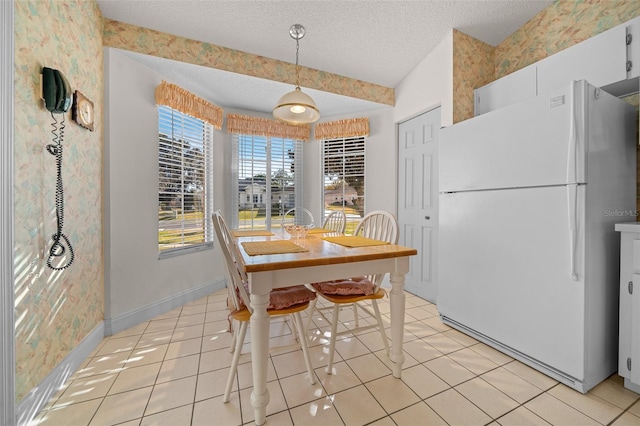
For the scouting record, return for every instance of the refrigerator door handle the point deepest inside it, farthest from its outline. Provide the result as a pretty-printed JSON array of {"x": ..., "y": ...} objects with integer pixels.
[
  {"x": 572, "y": 200},
  {"x": 572, "y": 173}
]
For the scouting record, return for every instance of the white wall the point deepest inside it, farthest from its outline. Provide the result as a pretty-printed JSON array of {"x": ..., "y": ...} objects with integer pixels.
[
  {"x": 135, "y": 279},
  {"x": 430, "y": 84}
]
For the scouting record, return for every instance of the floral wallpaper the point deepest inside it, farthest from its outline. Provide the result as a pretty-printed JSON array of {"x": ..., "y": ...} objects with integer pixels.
[
  {"x": 561, "y": 25},
  {"x": 472, "y": 68},
  {"x": 55, "y": 310},
  {"x": 150, "y": 42}
]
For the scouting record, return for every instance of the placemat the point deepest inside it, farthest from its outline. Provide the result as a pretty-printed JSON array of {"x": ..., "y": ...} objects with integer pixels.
[
  {"x": 251, "y": 233},
  {"x": 354, "y": 241},
  {"x": 319, "y": 231},
  {"x": 255, "y": 248}
]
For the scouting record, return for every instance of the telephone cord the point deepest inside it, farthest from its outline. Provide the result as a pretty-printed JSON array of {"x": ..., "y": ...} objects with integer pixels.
[{"x": 59, "y": 239}]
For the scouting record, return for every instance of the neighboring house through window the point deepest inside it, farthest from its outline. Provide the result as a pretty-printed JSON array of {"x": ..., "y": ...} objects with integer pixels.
[{"x": 185, "y": 182}]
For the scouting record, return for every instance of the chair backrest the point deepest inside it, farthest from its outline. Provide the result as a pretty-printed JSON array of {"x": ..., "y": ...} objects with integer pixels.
[
  {"x": 233, "y": 261},
  {"x": 378, "y": 225},
  {"x": 336, "y": 221},
  {"x": 298, "y": 216}
]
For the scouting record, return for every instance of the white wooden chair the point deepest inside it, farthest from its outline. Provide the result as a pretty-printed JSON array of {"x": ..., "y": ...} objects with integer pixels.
[
  {"x": 358, "y": 291},
  {"x": 336, "y": 221},
  {"x": 285, "y": 301}
]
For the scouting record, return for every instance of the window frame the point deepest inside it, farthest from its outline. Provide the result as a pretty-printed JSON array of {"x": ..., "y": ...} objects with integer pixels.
[
  {"x": 268, "y": 194},
  {"x": 346, "y": 153}
]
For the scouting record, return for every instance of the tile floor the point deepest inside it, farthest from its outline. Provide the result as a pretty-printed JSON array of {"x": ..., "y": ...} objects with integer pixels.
[{"x": 172, "y": 371}]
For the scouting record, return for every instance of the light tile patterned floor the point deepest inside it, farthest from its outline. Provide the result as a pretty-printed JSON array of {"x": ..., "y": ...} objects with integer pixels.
[{"x": 172, "y": 371}]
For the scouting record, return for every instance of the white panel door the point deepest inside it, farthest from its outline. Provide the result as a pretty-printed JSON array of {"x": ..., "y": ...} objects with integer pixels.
[{"x": 418, "y": 199}]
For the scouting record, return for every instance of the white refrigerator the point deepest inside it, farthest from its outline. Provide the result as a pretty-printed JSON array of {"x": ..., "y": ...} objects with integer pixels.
[{"x": 529, "y": 258}]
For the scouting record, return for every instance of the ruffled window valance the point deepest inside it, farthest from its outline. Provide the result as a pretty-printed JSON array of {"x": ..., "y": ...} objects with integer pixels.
[
  {"x": 342, "y": 128},
  {"x": 186, "y": 102},
  {"x": 247, "y": 125}
]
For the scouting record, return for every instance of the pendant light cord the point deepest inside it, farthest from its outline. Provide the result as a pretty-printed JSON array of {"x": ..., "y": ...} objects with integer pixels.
[
  {"x": 296, "y": 32},
  {"x": 297, "y": 67}
]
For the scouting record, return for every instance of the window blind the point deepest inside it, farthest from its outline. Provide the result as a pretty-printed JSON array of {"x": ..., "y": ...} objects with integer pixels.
[{"x": 185, "y": 178}]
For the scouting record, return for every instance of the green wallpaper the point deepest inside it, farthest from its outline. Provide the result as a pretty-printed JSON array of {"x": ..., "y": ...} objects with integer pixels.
[{"x": 55, "y": 310}]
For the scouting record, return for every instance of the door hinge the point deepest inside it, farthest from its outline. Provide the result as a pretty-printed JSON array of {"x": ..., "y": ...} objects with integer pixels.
[
  {"x": 629, "y": 38},
  {"x": 629, "y": 65},
  {"x": 630, "y": 287},
  {"x": 629, "y": 364}
]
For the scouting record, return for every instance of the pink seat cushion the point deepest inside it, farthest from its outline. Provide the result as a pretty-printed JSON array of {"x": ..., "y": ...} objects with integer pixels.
[
  {"x": 282, "y": 298},
  {"x": 346, "y": 286}
]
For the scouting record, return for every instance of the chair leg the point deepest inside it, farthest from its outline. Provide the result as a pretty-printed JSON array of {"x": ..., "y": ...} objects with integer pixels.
[
  {"x": 311, "y": 309},
  {"x": 236, "y": 357},
  {"x": 234, "y": 337},
  {"x": 374, "y": 303},
  {"x": 294, "y": 328},
  {"x": 334, "y": 331},
  {"x": 297, "y": 319},
  {"x": 355, "y": 315}
]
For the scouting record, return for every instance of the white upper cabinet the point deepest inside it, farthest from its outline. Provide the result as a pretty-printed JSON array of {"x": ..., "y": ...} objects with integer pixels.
[
  {"x": 610, "y": 60},
  {"x": 601, "y": 60},
  {"x": 510, "y": 89}
]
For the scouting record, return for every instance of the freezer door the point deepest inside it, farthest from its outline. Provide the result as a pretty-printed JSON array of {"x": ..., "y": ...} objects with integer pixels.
[
  {"x": 511, "y": 268},
  {"x": 537, "y": 142}
]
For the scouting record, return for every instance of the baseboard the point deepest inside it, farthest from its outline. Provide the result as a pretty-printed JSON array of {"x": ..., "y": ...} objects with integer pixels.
[
  {"x": 124, "y": 321},
  {"x": 35, "y": 400}
]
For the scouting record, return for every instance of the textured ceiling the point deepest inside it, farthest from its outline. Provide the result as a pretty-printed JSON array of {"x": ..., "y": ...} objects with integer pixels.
[{"x": 375, "y": 41}]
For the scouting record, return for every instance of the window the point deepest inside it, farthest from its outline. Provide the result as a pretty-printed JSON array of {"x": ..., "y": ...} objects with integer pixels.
[
  {"x": 343, "y": 168},
  {"x": 185, "y": 183},
  {"x": 265, "y": 182}
]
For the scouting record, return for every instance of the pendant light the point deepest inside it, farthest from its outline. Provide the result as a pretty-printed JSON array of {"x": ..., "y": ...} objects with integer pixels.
[{"x": 296, "y": 107}]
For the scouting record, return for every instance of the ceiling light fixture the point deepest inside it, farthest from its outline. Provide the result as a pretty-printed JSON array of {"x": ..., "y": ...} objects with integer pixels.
[{"x": 296, "y": 107}]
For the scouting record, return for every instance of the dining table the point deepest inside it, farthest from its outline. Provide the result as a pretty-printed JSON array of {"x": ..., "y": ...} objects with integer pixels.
[{"x": 314, "y": 258}]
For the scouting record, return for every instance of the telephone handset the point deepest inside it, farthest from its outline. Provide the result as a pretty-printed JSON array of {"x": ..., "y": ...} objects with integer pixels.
[{"x": 56, "y": 93}]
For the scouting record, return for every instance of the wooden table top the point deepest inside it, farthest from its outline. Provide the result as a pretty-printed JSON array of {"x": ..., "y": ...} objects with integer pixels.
[{"x": 320, "y": 252}]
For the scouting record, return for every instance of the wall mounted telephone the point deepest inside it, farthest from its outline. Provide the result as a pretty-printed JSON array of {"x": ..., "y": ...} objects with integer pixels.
[
  {"x": 57, "y": 96},
  {"x": 56, "y": 91}
]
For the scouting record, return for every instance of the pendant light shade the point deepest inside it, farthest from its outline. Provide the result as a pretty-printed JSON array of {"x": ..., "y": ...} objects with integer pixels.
[{"x": 296, "y": 107}]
